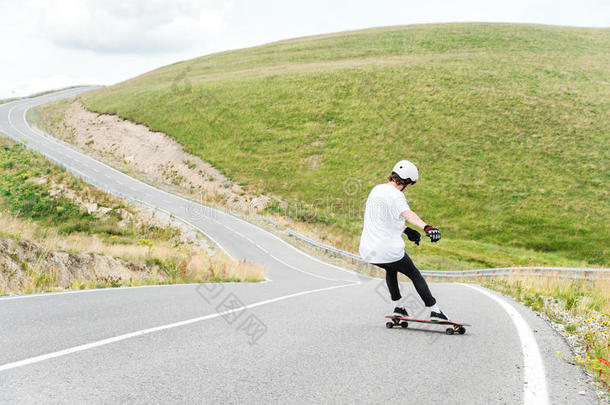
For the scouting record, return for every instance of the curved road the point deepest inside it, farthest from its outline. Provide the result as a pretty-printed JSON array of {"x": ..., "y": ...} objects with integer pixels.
[{"x": 312, "y": 333}]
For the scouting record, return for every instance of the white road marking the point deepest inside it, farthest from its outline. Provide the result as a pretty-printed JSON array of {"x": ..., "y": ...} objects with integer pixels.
[
  {"x": 248, "y": 239},
  {"x": 534, "y": 390},
  {"x": 103, "y": 342},
  {"x": 296, "y": 249},
  {"x": 308, "y": 273},
  {"x": 276, "y": 258},
  {"x": 114, "y": 289},
  {"x": 261, "y": 248},
  {"x": 281, "y": 261}
]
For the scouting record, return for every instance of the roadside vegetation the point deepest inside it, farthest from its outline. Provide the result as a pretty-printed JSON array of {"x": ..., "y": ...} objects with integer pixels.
[
  {"x": 506, "y": 123},
  {"x": 581, "y": 307},
  {"x": 48, "y": 217}
]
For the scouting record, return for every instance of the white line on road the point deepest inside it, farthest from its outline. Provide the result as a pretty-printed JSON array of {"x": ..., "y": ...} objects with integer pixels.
[
  {"x": 115, "y": 339},
  {"x": 306, "y": 272},
  {"x": 534, "y": 391},
  {"x": 92, "y": 290},
  {"x": 277, "y": 259}
]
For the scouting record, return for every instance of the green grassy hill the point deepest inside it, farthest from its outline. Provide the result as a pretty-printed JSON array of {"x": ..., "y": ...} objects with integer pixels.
[{"x": 508, "y": 124}]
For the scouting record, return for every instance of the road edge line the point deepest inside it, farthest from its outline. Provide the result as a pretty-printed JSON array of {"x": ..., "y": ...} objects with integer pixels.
[{"x": 534, "y": 378}]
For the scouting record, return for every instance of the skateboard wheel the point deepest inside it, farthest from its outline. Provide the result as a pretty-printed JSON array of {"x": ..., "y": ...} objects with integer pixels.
[
  {"x": 449, "y": 331},
  {"x": 404, "y": 324},
  {"x": 461, "y": 330},
  {"x": 389, "y": 325}
]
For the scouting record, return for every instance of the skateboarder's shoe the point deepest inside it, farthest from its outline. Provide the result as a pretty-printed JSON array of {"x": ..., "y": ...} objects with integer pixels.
[
  {"x": 400, "y": 311},
  {"x": 438, "y": 316}
]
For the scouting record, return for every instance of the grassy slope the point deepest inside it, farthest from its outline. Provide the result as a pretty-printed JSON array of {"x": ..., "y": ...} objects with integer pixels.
[
  {"x": 507, "y": 123},
  {"x": 30, "y": 210},
  {"x": 22, "y": 198}
]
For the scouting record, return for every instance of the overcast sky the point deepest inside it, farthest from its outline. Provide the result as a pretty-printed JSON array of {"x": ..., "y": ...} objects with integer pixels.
[{"x": 48, "y": 44}]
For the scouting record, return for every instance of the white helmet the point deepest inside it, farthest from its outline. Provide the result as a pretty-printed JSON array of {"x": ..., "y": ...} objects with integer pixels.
[{"x": 406, "y": 170}]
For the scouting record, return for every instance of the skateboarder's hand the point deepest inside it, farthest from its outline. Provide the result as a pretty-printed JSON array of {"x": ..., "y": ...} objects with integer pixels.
[
  {"x": 433, "y": 233},
  {"x": 412, "y": 235}
]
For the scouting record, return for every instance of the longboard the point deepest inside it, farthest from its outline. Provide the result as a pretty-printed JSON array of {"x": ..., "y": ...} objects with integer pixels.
[{"x": 404, "y": 323}]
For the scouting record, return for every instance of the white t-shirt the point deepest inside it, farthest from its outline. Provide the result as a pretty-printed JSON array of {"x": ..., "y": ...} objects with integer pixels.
[{"x": 381, "y": 240}]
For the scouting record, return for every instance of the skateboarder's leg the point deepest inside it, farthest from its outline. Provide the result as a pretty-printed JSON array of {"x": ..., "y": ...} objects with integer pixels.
[
  {"x": 407, "y": 267},
  {"x": 391, "y": 279}
]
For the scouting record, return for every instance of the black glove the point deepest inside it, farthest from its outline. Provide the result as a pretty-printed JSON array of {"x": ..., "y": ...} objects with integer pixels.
[
  {"x": 433, "y": 233},
  {"x": 412, "y": 235}
]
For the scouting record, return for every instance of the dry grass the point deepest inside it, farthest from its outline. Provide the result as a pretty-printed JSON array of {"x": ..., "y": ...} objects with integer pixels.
[
  {"x": 77, "y": 242},
  {"x": 586, "y": 295},
  {"x": 221, "y": 267},
  {"x": 185, "y": 263}
]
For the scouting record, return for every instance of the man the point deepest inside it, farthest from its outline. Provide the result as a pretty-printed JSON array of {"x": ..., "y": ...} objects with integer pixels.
[{"x": 381, "y": 242}]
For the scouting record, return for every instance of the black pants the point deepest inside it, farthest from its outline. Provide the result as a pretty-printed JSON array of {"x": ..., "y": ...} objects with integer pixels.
[{"x": 406, "y": 267}]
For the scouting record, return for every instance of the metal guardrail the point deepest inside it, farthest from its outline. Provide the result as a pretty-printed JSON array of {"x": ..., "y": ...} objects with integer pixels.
[
  {"x": 562, "y": 272},
  {"x": 270, "y": 221},
  {"x": 322, "y": 246}
]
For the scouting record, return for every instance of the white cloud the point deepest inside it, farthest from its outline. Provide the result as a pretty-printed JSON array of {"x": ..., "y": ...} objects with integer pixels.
[
  {"x": 54, "y": 43},
  {"x": 115, "y": 26}
]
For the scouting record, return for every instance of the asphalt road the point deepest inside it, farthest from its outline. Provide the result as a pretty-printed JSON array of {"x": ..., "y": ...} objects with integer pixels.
[{"x": 313, "y": 333}]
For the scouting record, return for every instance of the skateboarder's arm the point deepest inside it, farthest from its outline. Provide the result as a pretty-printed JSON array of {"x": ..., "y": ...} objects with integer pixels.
[{"x": 413, "y": 218}]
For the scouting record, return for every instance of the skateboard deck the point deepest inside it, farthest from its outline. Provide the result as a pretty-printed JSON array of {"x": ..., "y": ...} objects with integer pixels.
[{"x": 404, "y": 323}]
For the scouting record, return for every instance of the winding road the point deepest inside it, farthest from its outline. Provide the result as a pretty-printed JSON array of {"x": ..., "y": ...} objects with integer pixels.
[{"x": 312, "y": 333}]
